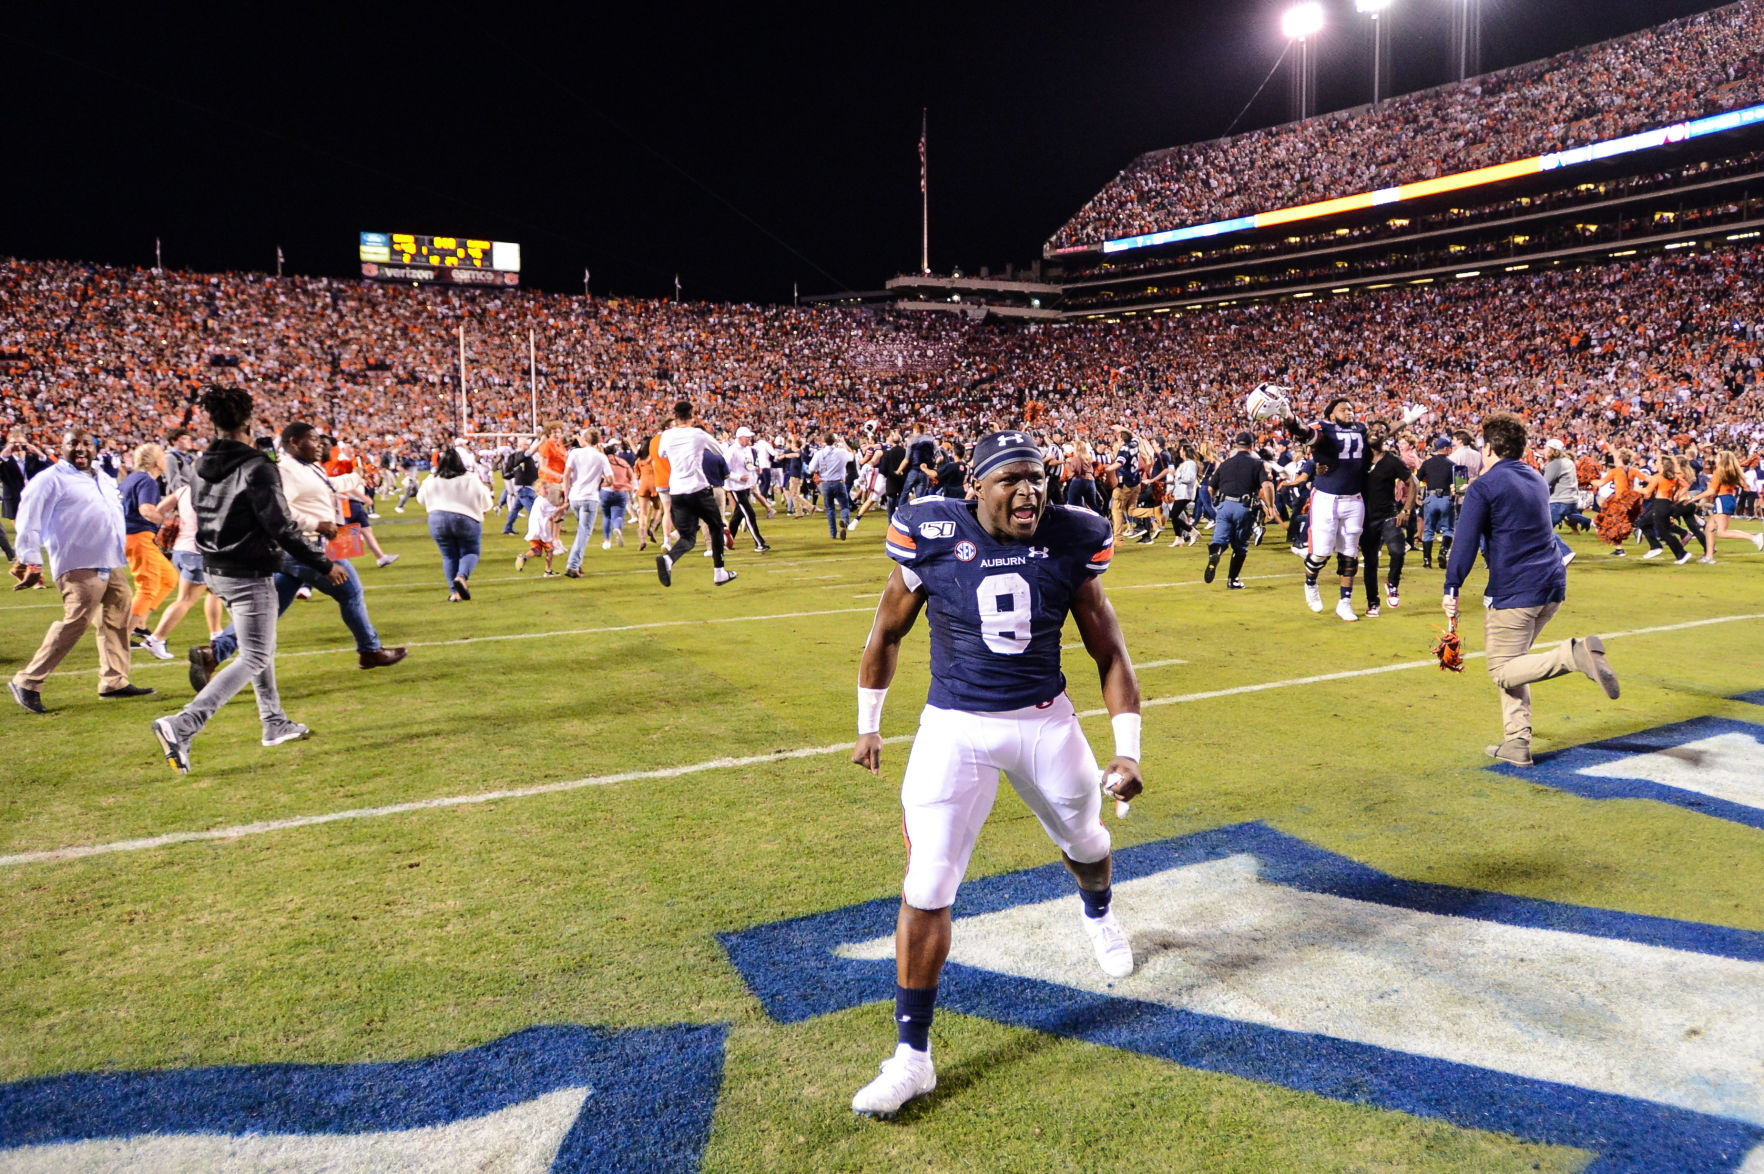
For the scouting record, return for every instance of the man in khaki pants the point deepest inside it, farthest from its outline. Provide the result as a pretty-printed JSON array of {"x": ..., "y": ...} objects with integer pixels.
[
  {"x": 1506, "y": 512},
  {"x": 72, "y": 508}
]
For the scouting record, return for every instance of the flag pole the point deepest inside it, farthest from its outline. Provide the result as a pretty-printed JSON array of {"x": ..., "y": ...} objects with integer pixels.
[
  {"x": 462, "y": 379},
  {"x": 924, "y": 203},
  {"x": 533, "y": 376}
]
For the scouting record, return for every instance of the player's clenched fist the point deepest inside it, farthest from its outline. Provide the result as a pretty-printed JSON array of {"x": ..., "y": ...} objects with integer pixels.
[
  {"x": 868, "y": 753},
  {"x": 1123, "y": 779}
]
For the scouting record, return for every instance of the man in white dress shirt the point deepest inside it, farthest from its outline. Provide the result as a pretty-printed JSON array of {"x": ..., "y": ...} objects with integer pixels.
[
  {"x": 73, "y": 510},
  {"x": 692, "y": 499}
]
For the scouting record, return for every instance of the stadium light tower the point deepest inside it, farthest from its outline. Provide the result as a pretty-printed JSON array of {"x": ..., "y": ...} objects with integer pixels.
[
  {"x": 1380, "y": 41},
  {"x": 1302, "y": 23}
]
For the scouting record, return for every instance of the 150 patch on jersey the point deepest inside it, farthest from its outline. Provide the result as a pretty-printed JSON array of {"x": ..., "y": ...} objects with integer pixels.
[{"x": 937, "y": 529}]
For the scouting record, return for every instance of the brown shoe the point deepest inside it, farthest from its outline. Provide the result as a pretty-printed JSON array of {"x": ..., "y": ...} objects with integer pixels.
[
  {"x": 203, "y": 665},
  {"x": 1513, "y": 752},
  {"x": 1589, "y": 658},
  {"x": 382, "y": 657}
]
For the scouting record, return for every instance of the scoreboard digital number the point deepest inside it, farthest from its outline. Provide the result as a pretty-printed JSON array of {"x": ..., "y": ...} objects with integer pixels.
[{"x": 439, "y": 260}]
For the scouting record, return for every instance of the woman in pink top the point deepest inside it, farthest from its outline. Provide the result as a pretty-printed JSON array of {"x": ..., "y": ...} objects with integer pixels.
[{"x": 615, "y": 495}]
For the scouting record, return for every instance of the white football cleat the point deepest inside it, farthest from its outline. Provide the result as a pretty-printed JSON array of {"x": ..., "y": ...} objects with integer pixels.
[
  {"x": 1344, "y": 611},
  {"x": 905, "y": 1075},
  {"x": 1109, "y": 940},
  {"x": 1313, "y": 597}
]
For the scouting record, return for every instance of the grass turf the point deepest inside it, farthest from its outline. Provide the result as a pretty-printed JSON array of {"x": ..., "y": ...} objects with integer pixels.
[{"x": 429, "y": 931}]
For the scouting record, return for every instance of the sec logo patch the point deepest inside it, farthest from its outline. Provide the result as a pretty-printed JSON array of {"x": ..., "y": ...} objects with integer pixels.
[{"x": 966, "y": 551}]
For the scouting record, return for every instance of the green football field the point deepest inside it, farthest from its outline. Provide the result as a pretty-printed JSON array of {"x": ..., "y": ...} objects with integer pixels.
[{"x": 673, "y": 764}]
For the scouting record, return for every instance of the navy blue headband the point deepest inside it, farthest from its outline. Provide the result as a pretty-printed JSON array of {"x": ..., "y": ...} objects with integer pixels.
[{"x": 1003, "y": 448}]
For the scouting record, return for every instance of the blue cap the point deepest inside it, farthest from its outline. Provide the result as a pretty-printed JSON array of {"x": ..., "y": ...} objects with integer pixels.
[
  {"x": 998, "y": 449},
  {"x": 1442, "y": 442}
]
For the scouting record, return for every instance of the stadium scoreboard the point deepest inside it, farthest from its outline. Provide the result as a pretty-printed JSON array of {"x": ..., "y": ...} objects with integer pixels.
[{"x": 439, "y": 260}]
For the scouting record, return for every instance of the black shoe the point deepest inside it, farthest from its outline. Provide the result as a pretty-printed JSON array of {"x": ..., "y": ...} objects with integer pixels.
[
  {"x": 128, "y": 691},
  {"x": 762, "y": 548},
  {"x": 664, "y": 570},
  {"x": 568, "y": 574},
  {"x": 138, "y": 635},
  {"x": 460, "y": 589},
  {"x": 728, "y": 578},
  {"x": 203, "y": 664},
  {"x": 1427, "y": 564},
  {"x": 842, "y": 531},
  {"x": 28, "y": 698},
  {"x": 1212, "y": 569}
]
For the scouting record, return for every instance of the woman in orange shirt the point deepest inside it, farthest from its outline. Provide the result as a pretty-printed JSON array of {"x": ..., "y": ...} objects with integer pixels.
[
  {"x": 648, "y": 502},
  {"x": 1617, "y": 516},
  {"x": 1661, "y": 491},
  {"x": 1723, "y": 495}
]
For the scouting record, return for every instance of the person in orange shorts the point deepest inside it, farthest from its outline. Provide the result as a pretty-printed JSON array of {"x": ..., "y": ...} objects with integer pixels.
[
  {"x": 155, "y": 578},
  {"x": 543, "y": 527}
]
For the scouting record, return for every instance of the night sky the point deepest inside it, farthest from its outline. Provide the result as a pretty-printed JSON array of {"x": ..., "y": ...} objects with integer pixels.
[{"x": 745, "y": 147}]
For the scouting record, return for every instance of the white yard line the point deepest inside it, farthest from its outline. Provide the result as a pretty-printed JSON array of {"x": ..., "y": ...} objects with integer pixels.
[
  {"x": 237, "y": 831},
  {"x": 281, "y": 656}
]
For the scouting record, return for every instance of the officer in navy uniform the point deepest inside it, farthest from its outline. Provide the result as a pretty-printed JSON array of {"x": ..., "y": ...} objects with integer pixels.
[
  {"x": 1237, "y": 483},
  {"x": 999, "y": 574}
]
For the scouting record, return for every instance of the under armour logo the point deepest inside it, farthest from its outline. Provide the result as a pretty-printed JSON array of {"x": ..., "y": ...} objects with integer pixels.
[
  {"x": 1014, "y": 438},
  {"x": 1038, "y": 552}
]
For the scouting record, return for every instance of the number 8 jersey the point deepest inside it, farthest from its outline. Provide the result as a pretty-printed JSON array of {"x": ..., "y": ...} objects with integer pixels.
[{"x": 997, "y": 609}]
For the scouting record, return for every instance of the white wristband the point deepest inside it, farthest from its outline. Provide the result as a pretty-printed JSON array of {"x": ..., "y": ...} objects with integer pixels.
[
  {"x": 1126, "y": 735},
  {"x": 870, "y": 710}
]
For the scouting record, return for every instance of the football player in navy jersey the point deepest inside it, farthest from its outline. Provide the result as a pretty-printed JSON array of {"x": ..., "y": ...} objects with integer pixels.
[
  {"x": 999, "y": 574},
  {"x": 1338, "y": 504}
]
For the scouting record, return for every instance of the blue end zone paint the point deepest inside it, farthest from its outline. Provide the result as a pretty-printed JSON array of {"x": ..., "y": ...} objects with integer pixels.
[
  {"x": 1754, "y": 698},
  {"x": 1562, "y": 769},
  {"x": 791, "y": 969},
  {"x": 654, "y": 1090}
]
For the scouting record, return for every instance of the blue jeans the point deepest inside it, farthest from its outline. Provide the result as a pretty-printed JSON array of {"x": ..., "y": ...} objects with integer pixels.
[
  {"x": 833, "y": 495},
  {"x": 1558, "y": 511},
  {"x": 917, "y": 484},
  {"x": 523, "y": 500},
  {"x": 1204, "y": 508},
  {"x": 458, "y": 537},
  {"x": 290, "y": 579},
  {"x": 1232, "y": 523},
  {"x": 587, "y": 512},
  {"x": 612, "y": 512},
  {"x": 1436, "y": 518}
]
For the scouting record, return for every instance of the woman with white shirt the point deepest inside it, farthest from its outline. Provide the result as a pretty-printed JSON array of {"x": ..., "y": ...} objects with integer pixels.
[
  {"x": 456, "y": 503},
  {"x": 192, "y": 585}
]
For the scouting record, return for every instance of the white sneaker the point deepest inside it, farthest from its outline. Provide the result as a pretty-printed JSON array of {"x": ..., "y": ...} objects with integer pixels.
[
  {"x": 1654, "y": 553},
  {"x": 303, "y": 593},
  {"x": 149, "y": 641},
  {"x": 1568, "y": 558},
  {"x": 1682, "y": 559},
  {"x": 1298, "y": 550},
  {"x": 854, "y": 524},
  {"x": 1313, "y": 597},
  {"x": 284, "y": 732},
  {"x": 160, "y": 652},
  {"x": 386, "y": 560},
  {"x": 606, "y": 545},
  {"x": 1113, "y": 953},
  {"x": 398, "y": 510},
  {"x": 905, "y": 1075},
  {"x": 1344, "y": 610},
  {"x": 723, "y": 575},
  {"x": 1391, "y": 597},
  {"x": 1758, "y": 540},
  {"x": 374, "y": 516}
]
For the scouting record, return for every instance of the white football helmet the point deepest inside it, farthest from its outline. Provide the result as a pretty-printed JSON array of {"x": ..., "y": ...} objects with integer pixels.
[{"x": 1267, "y": 401}]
